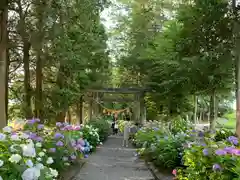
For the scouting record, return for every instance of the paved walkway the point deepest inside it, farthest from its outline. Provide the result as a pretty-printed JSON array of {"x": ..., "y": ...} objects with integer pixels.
[{"x": 113, "y": 162}]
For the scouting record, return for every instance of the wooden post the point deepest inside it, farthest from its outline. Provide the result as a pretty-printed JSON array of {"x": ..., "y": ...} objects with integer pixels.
[{"x": 137, "y": 116}]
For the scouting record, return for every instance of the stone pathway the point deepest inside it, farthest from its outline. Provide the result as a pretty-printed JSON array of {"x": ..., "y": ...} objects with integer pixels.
[{"x": 113, "y": 162}]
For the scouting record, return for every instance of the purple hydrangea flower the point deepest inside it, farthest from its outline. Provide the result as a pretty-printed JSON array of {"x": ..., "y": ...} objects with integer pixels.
[
  {"x": 32, "y": 135},
  {"x": 65, "y": 124},
  {"x": 77, "y": 128},
  {"x": 40, "y": 126},
  {"x": 233, "y": 140},
  {"x": 80, "y": 148},
  {"x": 216, "y": 167},
  {"x": 58, "y": 124},
  {"x": 81, "y": 142},
  {"x": 31, "y": 122},
  {"x": 229, "y": 149},
  {"x": 201, "y": 134},
  {"x": 59, "y": 143},
  {"x": 37, "y": 120},
  {"x": 52, "y": 150},
  {"x": 39, "y": 139},
  {"x": 220, "y": 152},
  {"x": 58, "y": 135},
  {"x": 68, "y": 127},
  {"x": 205, "y": 152},
  {"x": 236, "y": 152}
]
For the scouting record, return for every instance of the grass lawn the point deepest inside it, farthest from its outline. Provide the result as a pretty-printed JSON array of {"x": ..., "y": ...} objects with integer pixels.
[{"x": 228, "y": 121}]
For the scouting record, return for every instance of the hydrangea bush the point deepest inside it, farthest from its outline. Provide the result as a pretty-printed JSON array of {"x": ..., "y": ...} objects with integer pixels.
[
  {"x": 162, "y": 148},
  {"x": 103, "y": 126},
  {"x": 91, "y": 135},
  {"x": 37, "y": 152},
  {"x": 209, "y": 159},
  {"x": 195, "y": 154}
]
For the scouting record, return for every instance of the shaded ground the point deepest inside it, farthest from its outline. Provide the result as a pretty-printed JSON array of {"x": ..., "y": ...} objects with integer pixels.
[{"x": 113, "y": 162}]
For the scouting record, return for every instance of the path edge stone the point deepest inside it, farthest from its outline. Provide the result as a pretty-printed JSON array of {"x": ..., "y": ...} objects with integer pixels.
[
  {"x": 71, "y": 172},
  {"x": 156, "y": 173}
]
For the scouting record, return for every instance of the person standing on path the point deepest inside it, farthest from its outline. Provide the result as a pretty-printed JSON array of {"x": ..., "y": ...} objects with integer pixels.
[
  {"x": 115, "y": 125},
  {"x": 126, "y": 132}
]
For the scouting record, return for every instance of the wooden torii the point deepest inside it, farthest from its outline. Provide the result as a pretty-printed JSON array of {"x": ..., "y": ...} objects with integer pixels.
[{"x": 97, "y": 95}]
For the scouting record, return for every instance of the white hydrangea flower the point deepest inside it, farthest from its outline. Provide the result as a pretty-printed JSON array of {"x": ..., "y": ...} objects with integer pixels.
[
  {"x": 38, "y": 144},
  {"x": 1, "y": 163},
  {"x": 41, "y": 154},
  {"x": 2, "y": 137},
  {"x": 39, "y": 159},
  {"x": 49, "y": 160},
  {"x": 29, "y": 150},
  {"x": 29, "y": 141},
  {"x": 29, "y": 163},
  {"x": 1, "y": 178},
  {"x": 7, "y": 129},
  {"x": 54, "y": 172},
  {"x": 24, "y": 136},
  {"x": 32, "y": 173},
  {"x": 65, "y": 158},
  {"x": 40, "y": 166},
  {"x": 13, "y": 148},
  {"x": 15, "y": 158}
]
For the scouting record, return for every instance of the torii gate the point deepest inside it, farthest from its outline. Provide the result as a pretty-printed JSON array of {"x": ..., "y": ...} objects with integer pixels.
[{"x": 96, "y": 95}]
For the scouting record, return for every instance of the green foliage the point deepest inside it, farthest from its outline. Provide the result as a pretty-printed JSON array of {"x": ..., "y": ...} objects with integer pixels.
[
  {"x": 74, "y": 54},
  {"x": 178, "y": 125},
  {"x": 178, "y": 50},
  {"x": 223, "y": 134},
  {"x": 103, "y": 127},
  {"x": 230, "y": 116}
]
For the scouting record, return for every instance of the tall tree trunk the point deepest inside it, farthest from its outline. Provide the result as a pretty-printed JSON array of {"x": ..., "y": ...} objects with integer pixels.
[
  {"x": 237, "y": 66},
  {"x": 81, "y": 110},
  {"x": 22, "y": 30},
  {"x": 41, "y": 6},
  {"x": 39, "y": 79},
  {"x": 69, "y": 116},
  {"x": 200, "y": 116},
  {"x": 195, "y": 99},
  {"x": 237, "y": 93},
  {"x": 213, "y": 110},
  {"x": 27, "y": 86},
  {"x": 3, "y": 59},
  {"x": 6, "y": 82},
  {"x": 61, "y": 82}
]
